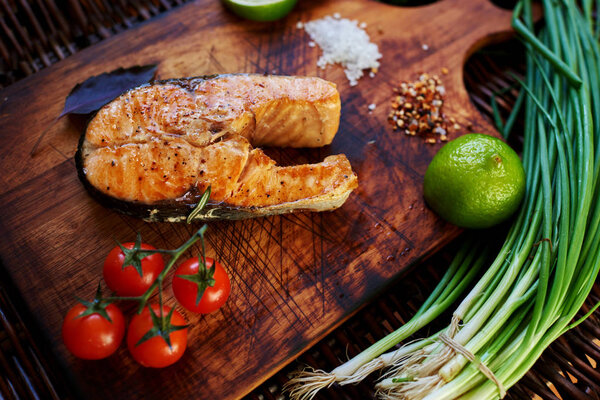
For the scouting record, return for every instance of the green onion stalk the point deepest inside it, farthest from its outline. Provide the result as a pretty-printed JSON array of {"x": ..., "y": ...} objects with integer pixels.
[
  {"x": 550, "y": 257},
  {"x": 461, "y": 272}
]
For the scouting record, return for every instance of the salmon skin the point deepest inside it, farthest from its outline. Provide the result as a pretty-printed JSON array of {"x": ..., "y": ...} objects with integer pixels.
[{"x": 154, "y": 150}]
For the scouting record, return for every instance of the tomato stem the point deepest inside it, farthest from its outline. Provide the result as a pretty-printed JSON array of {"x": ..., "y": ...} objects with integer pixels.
[
  {"x": 175, "y": 255},
  {"x": 163, "y": 324},
  {"x": 96, "y": 306}
]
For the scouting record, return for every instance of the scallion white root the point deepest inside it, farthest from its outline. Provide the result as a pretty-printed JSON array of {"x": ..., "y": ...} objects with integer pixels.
[{"x": 305, "y": 383}]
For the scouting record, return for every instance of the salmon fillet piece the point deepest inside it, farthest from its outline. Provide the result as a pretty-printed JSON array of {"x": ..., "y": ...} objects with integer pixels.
[{"x": 154, "y": 150}]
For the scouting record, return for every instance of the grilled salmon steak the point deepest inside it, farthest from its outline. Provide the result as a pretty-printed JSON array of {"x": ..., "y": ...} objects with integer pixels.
[{"x": 154, "y": 150}]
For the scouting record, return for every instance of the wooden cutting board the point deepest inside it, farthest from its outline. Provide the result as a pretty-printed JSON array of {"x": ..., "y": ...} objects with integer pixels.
[{"x": 294, "y": 277}]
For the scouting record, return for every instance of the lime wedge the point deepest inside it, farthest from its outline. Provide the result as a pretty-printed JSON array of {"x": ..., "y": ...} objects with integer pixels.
[{"x": 261, "y": 10}]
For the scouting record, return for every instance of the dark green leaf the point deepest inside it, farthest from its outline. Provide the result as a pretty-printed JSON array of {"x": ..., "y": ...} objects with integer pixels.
[{"x": 93, "y": 93}]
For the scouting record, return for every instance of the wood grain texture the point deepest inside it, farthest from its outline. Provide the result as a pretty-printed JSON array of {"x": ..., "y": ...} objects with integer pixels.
[{"x": 294, "y": 277}]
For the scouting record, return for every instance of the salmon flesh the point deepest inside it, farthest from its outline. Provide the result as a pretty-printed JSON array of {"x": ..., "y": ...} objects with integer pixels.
[{"x": 154, "y": 150}]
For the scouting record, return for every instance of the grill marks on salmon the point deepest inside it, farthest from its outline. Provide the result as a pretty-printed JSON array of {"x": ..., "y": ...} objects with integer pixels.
[{"x": 153, "y": 151}]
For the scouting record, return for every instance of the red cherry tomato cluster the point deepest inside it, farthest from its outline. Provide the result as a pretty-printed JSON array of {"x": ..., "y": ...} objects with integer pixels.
[{"x": 155, "y": 338}]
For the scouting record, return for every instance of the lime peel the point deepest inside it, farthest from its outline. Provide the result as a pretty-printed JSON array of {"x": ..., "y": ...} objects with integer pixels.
[
  {"x": 475, "y": 181},
  {"x": 261, "y": 10}
]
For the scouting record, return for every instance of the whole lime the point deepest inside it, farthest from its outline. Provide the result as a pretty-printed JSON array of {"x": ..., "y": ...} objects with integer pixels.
[
  {"x": 475, "y": 181},
  {"x": 261, "y": 10}
]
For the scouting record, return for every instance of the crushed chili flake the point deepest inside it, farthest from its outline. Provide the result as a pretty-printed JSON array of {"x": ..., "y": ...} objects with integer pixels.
[{"x": 417, "y": 110}]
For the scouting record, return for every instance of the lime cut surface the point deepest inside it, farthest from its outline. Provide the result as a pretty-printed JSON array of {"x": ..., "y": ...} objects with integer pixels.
[
  {"x": 475, "y": 181},
  {"x": 261, "y": 10}
]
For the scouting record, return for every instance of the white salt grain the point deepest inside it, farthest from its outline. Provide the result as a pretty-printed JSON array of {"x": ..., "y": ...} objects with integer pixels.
[
  {"x": 372, "y": 106},
  {"x": 311, "y": 44},
  {"x": 344, "y": 42},
  {"x": 425, "y": 47},
  {"x": 299, "y": 25}
]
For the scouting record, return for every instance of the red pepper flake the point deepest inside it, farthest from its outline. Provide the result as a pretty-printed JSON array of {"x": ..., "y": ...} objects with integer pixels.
[{"x": 417, "y": 109}]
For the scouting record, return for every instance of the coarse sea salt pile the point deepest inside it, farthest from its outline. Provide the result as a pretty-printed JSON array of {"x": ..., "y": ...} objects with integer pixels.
[{"x": 345, "y": 42}]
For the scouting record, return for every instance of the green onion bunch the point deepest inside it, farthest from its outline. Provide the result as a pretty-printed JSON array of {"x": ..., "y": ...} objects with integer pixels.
[{"x": 550, "y": 258}]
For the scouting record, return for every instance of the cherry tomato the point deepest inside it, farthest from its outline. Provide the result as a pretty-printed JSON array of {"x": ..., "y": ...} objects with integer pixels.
[
  {"x": 127, "y": 281},
  {"x": 93, "y": 337},
  {"x": 155, "y": 352},
  {"x": 186, "y": 291}
]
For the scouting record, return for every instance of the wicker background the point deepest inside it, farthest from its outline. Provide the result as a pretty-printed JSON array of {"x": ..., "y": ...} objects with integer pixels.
[{"x": 38, "y": 33}]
